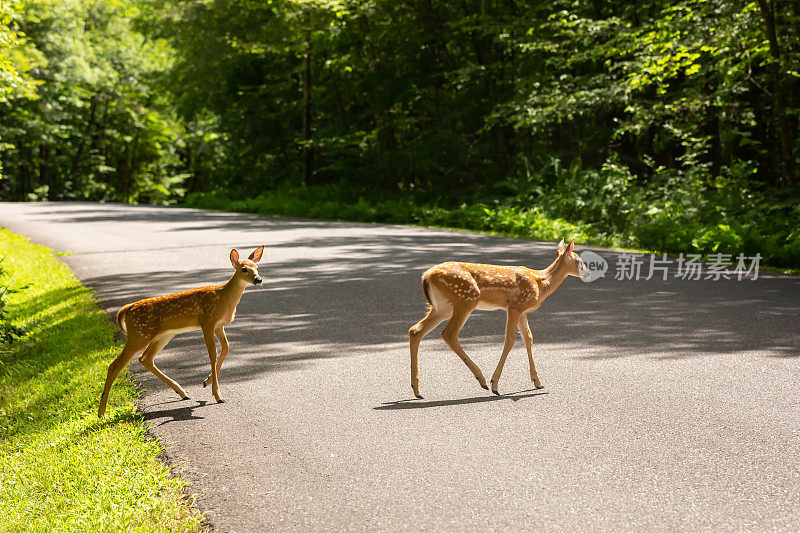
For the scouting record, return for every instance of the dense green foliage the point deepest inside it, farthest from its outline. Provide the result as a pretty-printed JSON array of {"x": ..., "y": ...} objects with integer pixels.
[
  {"x": 664, "y": 125},
  {"x": 99, "y": 125},
  {"x": 61, "y": 469}
]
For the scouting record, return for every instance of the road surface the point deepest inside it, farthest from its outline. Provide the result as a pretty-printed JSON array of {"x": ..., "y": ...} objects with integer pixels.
[{"x": 667, "y": 404}]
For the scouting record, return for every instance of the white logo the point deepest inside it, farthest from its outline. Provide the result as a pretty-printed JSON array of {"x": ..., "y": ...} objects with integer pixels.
[{"x": 596, "y": 266}]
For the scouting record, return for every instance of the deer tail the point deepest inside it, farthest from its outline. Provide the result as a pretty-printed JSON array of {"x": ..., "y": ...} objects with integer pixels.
[
  {"x": 426, "y": 288},
  {"x": 121, "y": 318}
]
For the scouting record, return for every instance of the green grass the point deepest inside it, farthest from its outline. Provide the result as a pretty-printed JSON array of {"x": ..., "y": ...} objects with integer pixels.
[{"x": 62, "y": 469}]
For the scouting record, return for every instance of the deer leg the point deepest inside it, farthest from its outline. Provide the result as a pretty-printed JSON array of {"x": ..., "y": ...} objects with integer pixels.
[
  {"x": 147, "y": 361},
  {"x": 415, "y": 336},
  {"x": 223, "y": 351},
  {"x": 511, "y": 334},
  {"x": 527, "y": 336},
  {"x": 208, "y": 336},
  {"x": 132, "y": 347},
  {"x": 450, "y": 336}
]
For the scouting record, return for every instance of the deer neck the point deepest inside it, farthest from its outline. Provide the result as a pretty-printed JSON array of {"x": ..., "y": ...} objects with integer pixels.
[
  {"x": 233, "y": 290},
  {"x": 554, "y": 275}
]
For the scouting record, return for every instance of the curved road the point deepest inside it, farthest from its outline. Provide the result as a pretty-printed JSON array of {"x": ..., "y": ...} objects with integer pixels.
[{"x": 667, "y": 404}]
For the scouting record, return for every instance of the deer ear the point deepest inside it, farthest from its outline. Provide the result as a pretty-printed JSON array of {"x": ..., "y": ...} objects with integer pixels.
[
  {"x": 234, "y": 257},
  {"x": 255, "y": 257},
  {"x": 561, "y": 247},
  {"x": 571, "y": 246}
]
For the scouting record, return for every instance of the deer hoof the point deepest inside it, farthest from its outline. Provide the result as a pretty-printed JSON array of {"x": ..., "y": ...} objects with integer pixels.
[
  {"x": 185, "y": 398},
  {"x": 419, "y": 396},
  {"x": 494, "y": 391},
  {"x": 484, "y": 386},
  {"x": 220, "y": 400}
]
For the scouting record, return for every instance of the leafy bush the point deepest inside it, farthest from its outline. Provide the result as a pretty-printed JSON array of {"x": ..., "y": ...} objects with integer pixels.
[
  {"x": 673, "y": 211},
  {"x": 8, "y": 332}
]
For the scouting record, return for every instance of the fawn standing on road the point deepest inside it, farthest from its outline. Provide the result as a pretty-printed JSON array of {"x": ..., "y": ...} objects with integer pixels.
[
  {"x": 150, "y": 324},
  {"x": 454, "y": 290}
]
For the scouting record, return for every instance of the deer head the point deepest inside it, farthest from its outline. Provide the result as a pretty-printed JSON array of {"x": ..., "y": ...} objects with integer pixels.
[
  {"x": 247, "y": 269},
  {"x": 570, "y": 261}
]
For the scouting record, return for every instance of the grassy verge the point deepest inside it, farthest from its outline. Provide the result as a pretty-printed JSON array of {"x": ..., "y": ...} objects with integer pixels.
[
  {"x": 62, "y": 469},
  {"x": 658, "y": 233}
]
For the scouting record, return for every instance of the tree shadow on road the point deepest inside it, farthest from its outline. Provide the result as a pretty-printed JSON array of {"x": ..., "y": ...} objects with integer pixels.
[
  {"x": 186, "y": 219},
  {"x": 353, "y": 289}
]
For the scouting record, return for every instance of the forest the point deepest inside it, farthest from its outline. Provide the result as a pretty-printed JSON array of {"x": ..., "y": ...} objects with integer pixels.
[{"x": 664, "y": 126}]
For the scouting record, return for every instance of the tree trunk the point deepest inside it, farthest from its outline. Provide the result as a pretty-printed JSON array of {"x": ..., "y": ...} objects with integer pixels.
[
  {"x": 82, "y": 143},
  {"x": 598, "y": 9},
  {"x": 44, "y": 168},
  {"x": 308, "y": 154},
  {"x": 778, "y": 97},
  {"x": 386, "y": 147}
]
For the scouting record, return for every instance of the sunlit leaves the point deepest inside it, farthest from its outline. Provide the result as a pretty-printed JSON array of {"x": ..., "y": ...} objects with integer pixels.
[{"x": 17, "y": 56}]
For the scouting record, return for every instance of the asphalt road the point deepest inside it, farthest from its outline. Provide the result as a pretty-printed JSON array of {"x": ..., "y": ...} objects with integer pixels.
[{"x": 667, "y": 404}]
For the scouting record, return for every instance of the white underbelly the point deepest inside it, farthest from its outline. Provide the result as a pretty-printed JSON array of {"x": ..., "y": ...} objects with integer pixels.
[
  {"x": 486, "y": 306},
  {"x": 182, "y": 330}
]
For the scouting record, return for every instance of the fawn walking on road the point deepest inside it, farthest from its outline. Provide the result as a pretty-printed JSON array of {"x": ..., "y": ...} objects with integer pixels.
[
  {"x": 454, "y": 290},
  {"x": 150, "y": 324}
]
